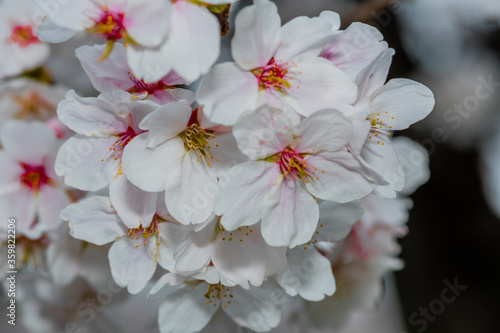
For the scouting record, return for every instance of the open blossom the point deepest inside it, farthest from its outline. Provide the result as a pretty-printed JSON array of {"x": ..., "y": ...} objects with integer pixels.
[
  {"x": 114, "y": 73},
  {"x": 240, "y": 256},
  {"x": 144, "y": 22},
  {"x": 380, "y": 110},
  {"x": 30, "y": 191},
  {"x": 194, "y": 304},
  {"x": 20, "y": 47},
  {"x": 135, "y": 251},
  {"x": 290, "y": 168},
  {"x": 275, "y": 65},
  {"x": 191, "y": 47},
  {"x": 181, "y": 153}
]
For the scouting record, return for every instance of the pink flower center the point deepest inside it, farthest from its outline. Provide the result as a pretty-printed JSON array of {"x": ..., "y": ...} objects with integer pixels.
[
  {"x": 293, "y": 165},
  {"x": 124, "y": 138},
  {"x": 110, "y": 25},
  {"x": 150, "y": 88},
  {"x": 23, "y": 36},
  {"x": 34, "y": 177},
  {"x": 273, "y": 76}
]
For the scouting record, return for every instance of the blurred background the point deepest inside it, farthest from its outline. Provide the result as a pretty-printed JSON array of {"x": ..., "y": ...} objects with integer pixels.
[{"x": 453, "y": 47}]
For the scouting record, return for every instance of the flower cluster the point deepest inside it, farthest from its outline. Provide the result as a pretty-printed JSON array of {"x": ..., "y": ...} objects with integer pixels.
[{"x": 278, "y": 178}]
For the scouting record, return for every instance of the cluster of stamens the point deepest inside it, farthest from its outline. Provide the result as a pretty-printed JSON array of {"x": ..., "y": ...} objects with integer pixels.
[
  {"x": 109, "y": 25},
  {"x": 34, "y": 177},
  {"x": 117, "y": 147},
  {"x": 273, "y": 75},
  {"x": 196, "y": 138},
  {"x": 32, "y": 105},
  {"x": 378, "y": 126},
  {"x": 238, "y": 234},
  {"x": 23, "y": 36},
  {"x": 145, "y": 233},
  {"x": 217, "y": 293},
  {"x": 150, "y": 88},
  {"x": 294, "y": 167}
]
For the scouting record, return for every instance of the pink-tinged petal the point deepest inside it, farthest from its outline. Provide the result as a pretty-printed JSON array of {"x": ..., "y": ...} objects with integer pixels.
[
  {"x": 52, "y": 202},
  {"x": 342, "y": 180},
  {"x": 226, "y": 92},
  {"x": 336, "y": 220},
  {"x": 320, "y": 85},
  {"x": 302, "y": 38},
  {"x": 251, "y": 191},
  {"x": 194, "y": 251},
  {"x": 381, "y": 158},
  {"x": 293, "y": 221},
  {"x": 262, "y": 133},
  {"x": 147, "y": 21},
  {"x": 256, "y": 300},
  {"x": 132, "y": 266},
  {"x": 87, "y": 163},
  {"x": 374, "y": 76},
  {"x": 171, "y": 95},
  {"x": 166, "y": 122},
  {"x": 312, "y": 284},
  {"x": 241, "y": 257},
  {"x": 134, "y": 206},
  {"x": 193, "y": 28},
  {"x": 405, "y": 101},
  {"x": 94, "y": 220},
  {"x": 190, "y": 196},
  {"x": 9, "y": 177},
  {"x": 324, "y": 130},
  {"x": 149, "y": 168},
  {"x": 188, "y": 307},
  {"x": 25, "y": 142},
  {"x": 355, "y": 48},
  {"x": 90, "y": 116},
  {"x": 257, "y": 35},
  {"x": 109, "y": 74},
  {"x": 21, "y": 206}
]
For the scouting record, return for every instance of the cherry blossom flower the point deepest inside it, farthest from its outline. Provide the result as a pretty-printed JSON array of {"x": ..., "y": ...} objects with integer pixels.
[
  {"x": 240, "y": 256},
  {"x": 181, "y": 154},
  {"x": 135, "y": 251},
  {"x": 19, "y": 44},
  {"x": 30, "y": 191},
  {"x": 142, "y": 22},
  {"x": 275, "y": 65},
  {"x": 194, "y": 304},
  {"x": 380, "y": 110},
  {"x": 290, "y": 168},
  {"x": 115, "y": 73}
]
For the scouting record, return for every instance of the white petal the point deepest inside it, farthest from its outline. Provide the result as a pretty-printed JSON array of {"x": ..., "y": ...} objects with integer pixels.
[
  {"x": 374, "y": 75},
  {"x": 195, "y": 249},
  {"x": 50, "y": 32},
  {"x": 251, "y": 192},
  {"x": 27, "y": 142},
  {"x": 302, "y": 38},
  {"x": 257, "y": 34},
  {"x": 149, "y": 168},
  {"x": 262, "y": 133},
  {"x": 336, "y": 220},
  {"x": 87, "y": 163},
  {"x": 314, "y": 279},
  {"x": 341, "y": 181},
  {"x": 20, "y": 205},
  {"x": 148, "y": 21},
  {"x": 226, "y": 92},
  {"x": 166, "y": 122},
  {"x": 320, "y": 85},
  {"x": 93, "y": 220},
  {"x": 314, "y": 135},
  {"x": 52, "y": 201},
  {"x": 134, "y": 206},
  {"x": 90, "y": 116},
  {"x": 72, "y": 14},
  {"x": 132, "y": 266},
  {"x": 415, "y": 163},
  {"x": 9, "y": 177},
  {"x": 294, "y": 220},
  {"x": 405, "y": 100},
  {"x": 185, "y": 311},
  {"x": 190, "y": 196}
]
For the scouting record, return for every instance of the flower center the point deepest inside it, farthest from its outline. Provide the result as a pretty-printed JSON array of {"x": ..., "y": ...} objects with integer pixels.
[
  {"x": 109, "y": 25},
  {"x": 379, "y": 126},
  {"x": 34, "y": 177},
  {"x": 273, "y": 76},
  {"x": 145, "y": 233},
  {"x": 32, "y": 105},
  {"x": 218, "y": 293},
  {"x": 23, "y": 36},
  {"x": 150, "y": 88},
  {"x": 196, "y": 137},
  {"x": 117, "y": 147},
  {"x": 293, "y": 165}
]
